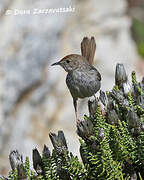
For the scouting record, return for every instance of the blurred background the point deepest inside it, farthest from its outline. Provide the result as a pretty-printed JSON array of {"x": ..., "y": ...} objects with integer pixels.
[{"x": 34, "y": 99}]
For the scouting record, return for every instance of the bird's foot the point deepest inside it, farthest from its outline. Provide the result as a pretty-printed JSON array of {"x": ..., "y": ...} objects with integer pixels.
[
  {"x": 77, "y": 121},
  {"x": 96, "y": 99}
]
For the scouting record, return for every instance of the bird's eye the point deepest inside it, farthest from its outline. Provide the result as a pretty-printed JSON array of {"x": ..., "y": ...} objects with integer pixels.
[{"x": 68, "y": 61}]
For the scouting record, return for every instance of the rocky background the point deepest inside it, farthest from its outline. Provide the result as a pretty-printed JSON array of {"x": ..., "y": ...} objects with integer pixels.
[{"x": 34, "y": 99}]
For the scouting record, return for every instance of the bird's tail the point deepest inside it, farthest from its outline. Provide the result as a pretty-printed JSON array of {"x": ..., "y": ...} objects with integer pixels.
[{"x": 88, "y": 48}]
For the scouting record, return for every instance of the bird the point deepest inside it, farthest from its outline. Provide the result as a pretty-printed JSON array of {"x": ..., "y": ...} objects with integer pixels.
[{"x": 83, "y": 79}]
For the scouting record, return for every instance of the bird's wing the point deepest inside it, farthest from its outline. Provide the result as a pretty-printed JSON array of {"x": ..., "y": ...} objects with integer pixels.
[
  {"x": 97, "y": 72},
  {"x": 88, "y": 48}
]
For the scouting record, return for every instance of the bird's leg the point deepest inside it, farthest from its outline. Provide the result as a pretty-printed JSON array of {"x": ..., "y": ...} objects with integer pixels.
[
  {"x": 75, "y": 106},
  {"x": 95, "y": 97}
]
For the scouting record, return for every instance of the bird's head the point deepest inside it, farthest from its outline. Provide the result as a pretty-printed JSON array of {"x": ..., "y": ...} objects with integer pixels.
[{"x": 71, "y": 62}]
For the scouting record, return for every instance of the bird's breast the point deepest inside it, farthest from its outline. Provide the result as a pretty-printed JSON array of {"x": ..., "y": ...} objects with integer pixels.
[{"x": 82, "y": 84}]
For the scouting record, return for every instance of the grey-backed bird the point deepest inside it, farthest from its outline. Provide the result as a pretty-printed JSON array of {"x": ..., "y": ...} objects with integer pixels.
[{"x": 83, "y": 79}]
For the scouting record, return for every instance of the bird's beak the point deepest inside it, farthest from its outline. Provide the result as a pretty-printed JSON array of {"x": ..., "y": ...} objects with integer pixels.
[{"x": 57, "y": 63}]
